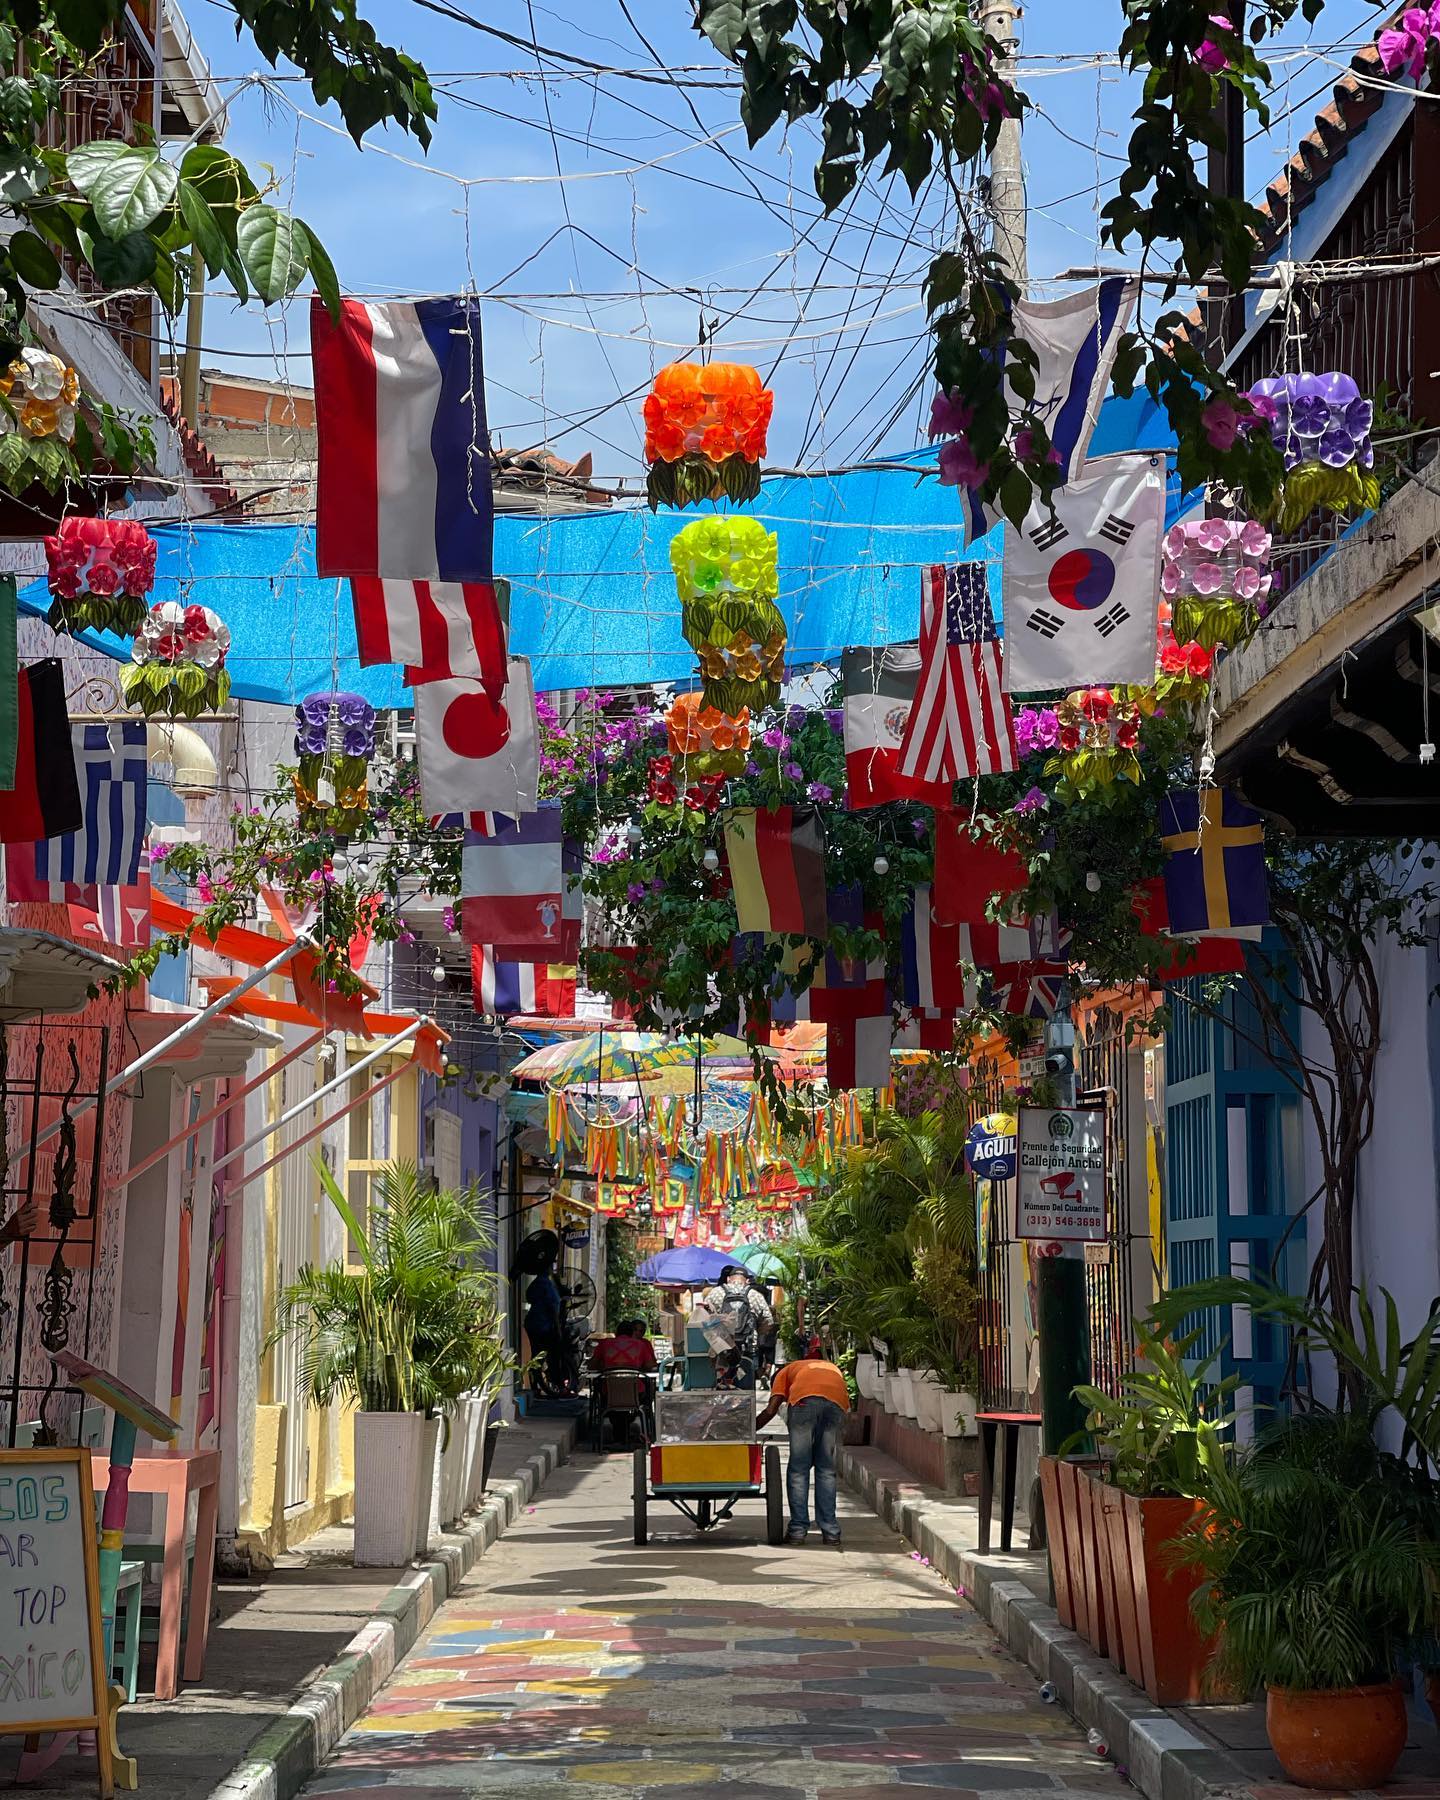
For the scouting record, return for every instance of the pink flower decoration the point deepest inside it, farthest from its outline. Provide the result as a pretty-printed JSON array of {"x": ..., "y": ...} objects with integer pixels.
[
  {"x": 1207, "y": 578},
  {"x": 949, "y": 416},
  {"x": 1170, "y": 577},
  {"x": 1246, "y": 582},
  {"x": 1254, "y": 538}
]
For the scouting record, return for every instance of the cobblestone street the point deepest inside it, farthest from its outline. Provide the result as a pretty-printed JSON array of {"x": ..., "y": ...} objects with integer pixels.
[{"x": 705, "y": 1666}]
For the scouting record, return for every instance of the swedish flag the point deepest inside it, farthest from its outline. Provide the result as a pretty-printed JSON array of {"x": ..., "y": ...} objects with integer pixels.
[{"x": 1214, "y": 862}]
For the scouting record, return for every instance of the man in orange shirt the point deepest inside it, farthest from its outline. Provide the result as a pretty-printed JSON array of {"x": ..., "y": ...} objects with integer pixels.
[{"x": 814, "y": 1393}]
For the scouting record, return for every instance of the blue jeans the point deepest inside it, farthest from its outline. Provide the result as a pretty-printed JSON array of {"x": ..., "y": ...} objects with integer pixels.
[{"x": 815, "y": 1426}]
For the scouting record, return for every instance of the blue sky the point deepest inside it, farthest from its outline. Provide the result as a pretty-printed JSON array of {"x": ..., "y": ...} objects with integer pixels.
[{"x": 831, "y": 306}]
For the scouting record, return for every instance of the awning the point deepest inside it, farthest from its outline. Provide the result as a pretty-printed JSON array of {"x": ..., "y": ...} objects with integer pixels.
[
  {"x": 224, "y": 1046},
  {"x": 41, "y": 973},
  {"x": 429, "y": 1045}
]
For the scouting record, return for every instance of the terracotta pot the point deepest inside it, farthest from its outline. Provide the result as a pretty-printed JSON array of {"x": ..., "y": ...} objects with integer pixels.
[
  {"x": 1090, "y": 1565},
  {"x": 1346, "y": 1739},
  {"x": 1172, "y": 1651}
]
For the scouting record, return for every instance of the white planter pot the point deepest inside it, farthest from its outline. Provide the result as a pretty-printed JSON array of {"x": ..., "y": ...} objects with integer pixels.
[
  {"x": 427, "y": 1477},
  {"x": 452, "y": 1463},
  {"x": 957, "y": 1413},
  {"x": 927, "y": 1390},
  {"x": 907, "y": 1392},
  {"x": 387, "y": 1448},
  {"x": 475, "y": 1447},
  {"x": 890, "y": 1392},
  {"x": 865, "y": 1374}
]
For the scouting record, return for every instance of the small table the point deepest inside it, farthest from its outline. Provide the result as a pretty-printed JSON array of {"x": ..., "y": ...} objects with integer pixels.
[
  {"x": 176, "y": 1477},
  {"x": 990, "y": 1424}
]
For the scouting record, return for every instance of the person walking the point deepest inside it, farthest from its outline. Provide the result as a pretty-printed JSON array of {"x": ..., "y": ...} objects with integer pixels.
[{"x": 816, "y": 1399}]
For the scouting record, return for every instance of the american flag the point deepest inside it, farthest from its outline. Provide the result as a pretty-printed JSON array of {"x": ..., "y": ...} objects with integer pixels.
[
  {"x": 112, "y": 764},
  {"x": 960, "y": 724}
]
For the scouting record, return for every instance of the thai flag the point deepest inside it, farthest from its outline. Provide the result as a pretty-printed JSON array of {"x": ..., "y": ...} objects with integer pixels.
[{"x": 403, "y": 489}]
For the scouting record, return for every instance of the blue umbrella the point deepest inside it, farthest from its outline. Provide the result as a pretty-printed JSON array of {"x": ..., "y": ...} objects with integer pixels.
[{"x": 695, "y": 1265}]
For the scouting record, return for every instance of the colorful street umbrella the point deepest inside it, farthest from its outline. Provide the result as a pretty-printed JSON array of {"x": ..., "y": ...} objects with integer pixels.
[
  {"x": 760, "y": 1260},
  {"x": 608, "y": 1056},
  {"x": 693, "y": 1265}
]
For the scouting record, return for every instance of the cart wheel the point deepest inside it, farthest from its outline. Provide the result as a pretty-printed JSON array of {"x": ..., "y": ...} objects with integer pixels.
[
  {"x": 703, "y": 1508},
  {"x": 642, "y": 1492},
  {"x": 774, "y": 1497}
]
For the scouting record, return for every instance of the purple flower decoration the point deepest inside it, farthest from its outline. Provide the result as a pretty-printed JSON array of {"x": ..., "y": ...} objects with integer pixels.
[
  {"x": 1037, "y": 800},
  {"x": 949, "y": 416},
  {"x": 818, "y": 792},
  {"x": 959, "y": 466},
  {"x": 1317, "y": 418},
  {"x": 775, "y": 739},
  {"x": 835, "y": 718},
  {"x": 793, "y": 772},
  {"x": 356, "y": 718}
]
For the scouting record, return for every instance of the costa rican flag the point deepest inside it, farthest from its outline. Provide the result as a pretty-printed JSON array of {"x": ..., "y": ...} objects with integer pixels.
[
  {"x": 403, "y": 488},
  {"x": 436, "y": 628},
  {"x": 960, "y": 724}
]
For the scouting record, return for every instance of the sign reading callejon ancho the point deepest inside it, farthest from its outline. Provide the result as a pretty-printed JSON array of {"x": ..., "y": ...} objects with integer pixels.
[{"x": 1060, "y": 1183}]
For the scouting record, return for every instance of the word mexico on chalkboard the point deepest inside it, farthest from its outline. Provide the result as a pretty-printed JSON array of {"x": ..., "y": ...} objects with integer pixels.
[{"x": 52, "y": 1672}]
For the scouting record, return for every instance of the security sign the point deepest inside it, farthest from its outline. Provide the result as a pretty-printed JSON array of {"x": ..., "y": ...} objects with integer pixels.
[
  {"x": 990, "y": 1147},
  {"x": 1061, "y": 1187}
]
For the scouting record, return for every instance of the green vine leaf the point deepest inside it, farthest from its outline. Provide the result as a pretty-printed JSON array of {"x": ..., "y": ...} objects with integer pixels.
[{"x": 275, "y": 250}]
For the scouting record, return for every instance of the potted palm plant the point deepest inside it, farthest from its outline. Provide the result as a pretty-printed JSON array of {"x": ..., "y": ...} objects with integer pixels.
[
  {"x": 1318, "y": 1563},
  {"x": 398, "y": 1338}
]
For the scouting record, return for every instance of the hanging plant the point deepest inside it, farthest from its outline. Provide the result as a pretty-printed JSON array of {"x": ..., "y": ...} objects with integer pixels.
[
  {"x": 705, "y": 433},
  {"x": 726, "y": 571},
  {"x": 1216, "y": 576},
  {"x": 335, "y": 743},
  {"x": 1321, "y": 426},
  {"x": 100, "y": 571},
  {"x": 178, "y": 662}
]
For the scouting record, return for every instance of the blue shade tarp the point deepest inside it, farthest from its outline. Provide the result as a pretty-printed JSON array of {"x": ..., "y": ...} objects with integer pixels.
[{"x": 593, "y": 599}]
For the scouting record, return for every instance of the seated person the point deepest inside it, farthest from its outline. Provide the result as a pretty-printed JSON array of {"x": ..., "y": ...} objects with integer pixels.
[{"x": 629, "y": 1348}]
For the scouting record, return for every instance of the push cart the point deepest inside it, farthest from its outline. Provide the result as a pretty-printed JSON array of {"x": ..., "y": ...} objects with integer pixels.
[{"x": 707, "y": 1457}]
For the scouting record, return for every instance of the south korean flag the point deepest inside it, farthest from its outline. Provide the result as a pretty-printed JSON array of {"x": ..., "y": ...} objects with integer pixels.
[{"x": 1082, "y": 580}]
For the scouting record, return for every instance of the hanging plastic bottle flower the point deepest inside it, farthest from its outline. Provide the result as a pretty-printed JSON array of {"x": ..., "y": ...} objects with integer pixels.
[
  {"x": 705, "y": 433},
  {"x": 1216, "y": 576},
  {"x": 1321, "y": 426},
  {"x": 335, "y": 742},
  {"x": 709, "y": 741},
  {"x": 177, "y": 664},
  {"x": 100, "y": 571},
  {"x": 726, "y": 570}
]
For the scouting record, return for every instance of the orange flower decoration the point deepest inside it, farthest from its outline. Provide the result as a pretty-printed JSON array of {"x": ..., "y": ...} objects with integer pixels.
[
  {"x": 714, "y": 741},
  {"x": 716, "y": 410}
]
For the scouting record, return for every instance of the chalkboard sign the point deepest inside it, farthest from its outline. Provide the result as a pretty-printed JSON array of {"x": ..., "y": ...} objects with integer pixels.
[{"x": 52, "y": 1675}]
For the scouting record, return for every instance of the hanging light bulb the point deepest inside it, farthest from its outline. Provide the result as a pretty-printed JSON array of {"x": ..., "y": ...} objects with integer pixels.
[
  {"x": 437, "y": 974},
  {"x": 634, "y": 834},
  {"x": 1092, "y": 882},
  {"x": 711, "y": 859},
  {"x": 882, "y": 865}
]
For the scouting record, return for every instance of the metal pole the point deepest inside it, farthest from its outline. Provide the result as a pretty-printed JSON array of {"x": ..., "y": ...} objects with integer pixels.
[
  {"x": 315, "y": 1130},
  {"x": 1007, "y": 173},
  {"x": 268, "y": 1074},
  {"x": 157, "y": 1051},
  {"x": 339, "y": 1081},
  {"x": 1062, "y": 1314}
]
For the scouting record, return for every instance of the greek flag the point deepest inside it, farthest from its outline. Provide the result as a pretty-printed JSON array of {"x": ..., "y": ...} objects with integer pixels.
[{"x": 112, "y": 764}]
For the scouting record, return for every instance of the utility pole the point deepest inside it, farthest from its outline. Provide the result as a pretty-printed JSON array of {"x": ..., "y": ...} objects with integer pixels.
[{"x": 1007, "y": 175}]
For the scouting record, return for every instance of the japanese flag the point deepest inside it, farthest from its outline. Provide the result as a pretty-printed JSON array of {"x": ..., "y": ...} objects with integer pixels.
[
  {"x": 478, "y": 751},
  {"x": 1082, "y": 581}
]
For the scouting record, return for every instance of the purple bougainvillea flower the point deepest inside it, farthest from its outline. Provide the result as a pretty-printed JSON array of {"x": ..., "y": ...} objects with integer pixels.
[
  {"x": 819, "y": 793},
  {"x": 1220, "y": 422},
  {"x": 949, "y": 416},
  {"x": 793, "y": 772},
  {"x": 1036, "y": 800},
  {"x": 959, "y": 466},
  {"x": 635, "y": 893}
]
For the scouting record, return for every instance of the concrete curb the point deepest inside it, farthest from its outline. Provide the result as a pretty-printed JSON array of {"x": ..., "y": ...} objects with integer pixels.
[
  {"x": 289, "y": 1751},
  {"x": 1163, "y": 1757}
]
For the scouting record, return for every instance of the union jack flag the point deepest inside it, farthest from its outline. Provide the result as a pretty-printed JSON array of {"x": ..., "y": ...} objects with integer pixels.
[{"x": 960, "y": 724}]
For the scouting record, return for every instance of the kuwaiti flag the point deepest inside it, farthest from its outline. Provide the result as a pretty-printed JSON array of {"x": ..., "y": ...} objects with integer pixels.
[
  {"x": 512, "y": 888},
  {"x": 479, "y": 752},
  {"x": 880, "y": 691},
  {"x": 1075, "y": 341},
  {"x": 403, "y": 487},
  {"x": 438, "y": 629},
  {"x": 777, "y": 869},
  {"x": 933, "y": 971},
  {"x": 1082, "y": 582}
]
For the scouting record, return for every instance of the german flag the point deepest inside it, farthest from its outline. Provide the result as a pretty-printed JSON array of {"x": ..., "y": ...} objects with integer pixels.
[{"x": 777, "y": 869}]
